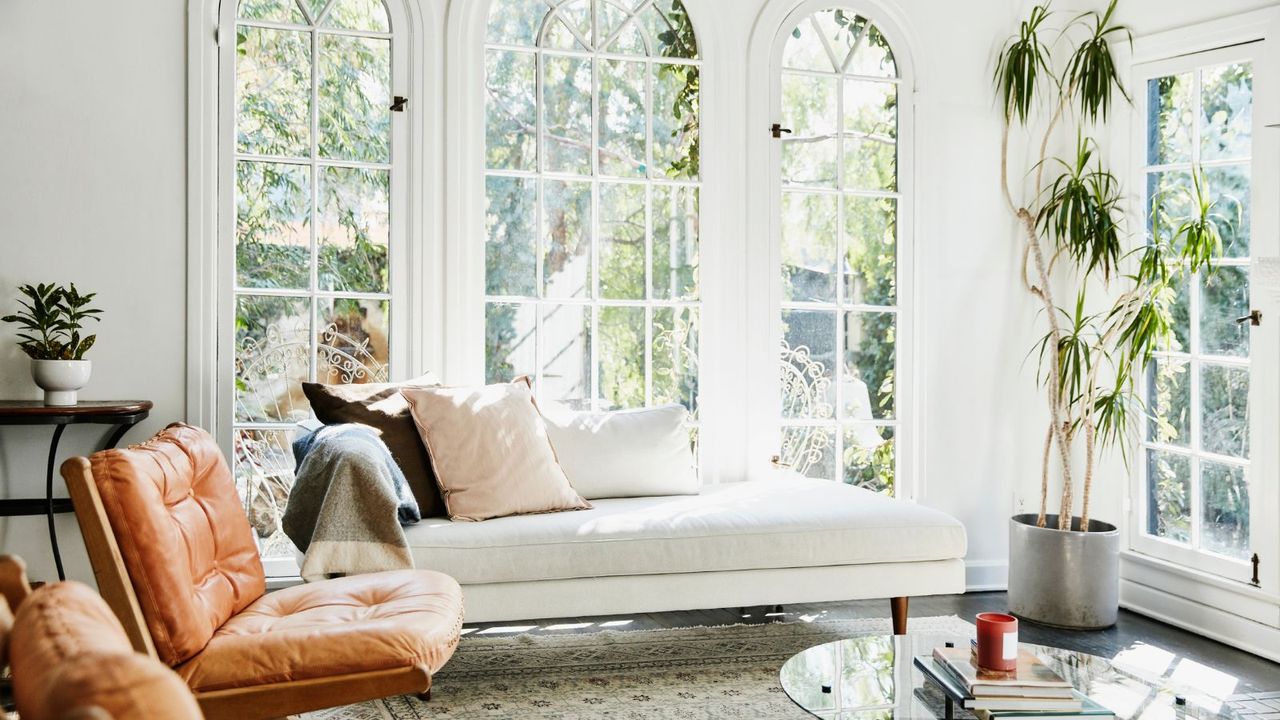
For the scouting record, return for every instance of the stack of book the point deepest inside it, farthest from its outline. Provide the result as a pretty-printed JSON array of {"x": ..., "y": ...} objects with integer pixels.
[{"x": 1031, "y": 691}]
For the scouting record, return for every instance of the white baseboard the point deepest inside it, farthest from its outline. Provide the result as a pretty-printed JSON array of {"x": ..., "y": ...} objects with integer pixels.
[
  {"x": 986, "y": 575},
  {"x": 1209, "y": 621}
]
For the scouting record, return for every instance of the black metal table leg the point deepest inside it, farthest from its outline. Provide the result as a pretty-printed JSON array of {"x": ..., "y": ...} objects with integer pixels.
[
  {"x": 117, "y": 434},
  {"x": 48, "y": 498},
  {"x": 950, "y": 709}
]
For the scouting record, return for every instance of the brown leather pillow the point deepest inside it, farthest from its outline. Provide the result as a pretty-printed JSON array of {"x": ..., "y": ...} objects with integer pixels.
[{"x": 382, "y": 407}]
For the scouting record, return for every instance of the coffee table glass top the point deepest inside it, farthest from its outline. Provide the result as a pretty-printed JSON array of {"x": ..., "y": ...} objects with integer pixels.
[{"x": 873, "y": 678}]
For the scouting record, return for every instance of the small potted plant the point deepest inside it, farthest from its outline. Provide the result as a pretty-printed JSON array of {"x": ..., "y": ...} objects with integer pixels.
[{"x": 50, "y": 322}]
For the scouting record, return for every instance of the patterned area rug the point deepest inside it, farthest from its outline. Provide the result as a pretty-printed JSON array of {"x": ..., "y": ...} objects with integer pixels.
[{"x": 688, "y": 673}]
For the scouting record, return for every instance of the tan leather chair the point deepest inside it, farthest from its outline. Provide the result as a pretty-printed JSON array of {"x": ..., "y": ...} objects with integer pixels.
[
  {"x": 70, "y": 658},
  {"x": 176, "y": 560}
]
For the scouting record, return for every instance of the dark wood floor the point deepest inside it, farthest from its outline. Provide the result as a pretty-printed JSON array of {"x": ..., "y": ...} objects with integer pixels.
[{"x": 1253, "y": 673}]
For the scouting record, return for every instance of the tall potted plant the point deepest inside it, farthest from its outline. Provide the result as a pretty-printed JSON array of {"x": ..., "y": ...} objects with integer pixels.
[
  {"x": 1055, "y": 83},
  {"x": 50, "y": 322}
]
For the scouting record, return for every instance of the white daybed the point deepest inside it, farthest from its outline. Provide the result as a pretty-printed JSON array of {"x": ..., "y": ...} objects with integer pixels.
[{"x": 764, "y": 542}]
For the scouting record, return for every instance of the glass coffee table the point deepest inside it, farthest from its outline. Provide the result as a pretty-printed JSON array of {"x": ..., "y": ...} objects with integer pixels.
[{"x": 873, "y": 678}]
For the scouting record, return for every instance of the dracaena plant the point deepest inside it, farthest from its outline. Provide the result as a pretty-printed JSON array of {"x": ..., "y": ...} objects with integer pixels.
[
  {"x": 51, "y": 320},
  {"x": 1062, "y": 81}
]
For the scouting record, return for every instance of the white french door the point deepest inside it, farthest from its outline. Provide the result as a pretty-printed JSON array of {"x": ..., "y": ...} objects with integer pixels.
[{"x": 1204, "y": 475}]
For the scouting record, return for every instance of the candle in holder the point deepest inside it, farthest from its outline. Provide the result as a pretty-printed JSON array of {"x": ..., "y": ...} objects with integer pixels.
[{"x": 997, "y": 641}]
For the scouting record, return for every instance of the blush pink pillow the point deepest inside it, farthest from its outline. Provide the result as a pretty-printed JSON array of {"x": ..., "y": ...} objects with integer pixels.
[{"x": 490, "y": 452}]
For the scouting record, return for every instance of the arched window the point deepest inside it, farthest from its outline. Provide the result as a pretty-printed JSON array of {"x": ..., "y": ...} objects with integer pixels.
[
  {"x": 592, "y": 259},
  {"x": 842, "y": 99},
  {"x": 312, "y": 228}
]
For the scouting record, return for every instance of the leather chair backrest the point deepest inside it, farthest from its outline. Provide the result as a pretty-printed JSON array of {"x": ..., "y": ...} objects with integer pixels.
[
  {"x": 183, "y": 535},
  {"x": 70, "y": 657}
]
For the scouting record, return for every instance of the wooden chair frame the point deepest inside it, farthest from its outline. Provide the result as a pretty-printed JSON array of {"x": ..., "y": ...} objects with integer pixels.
[{"x": 257, "y": 701}]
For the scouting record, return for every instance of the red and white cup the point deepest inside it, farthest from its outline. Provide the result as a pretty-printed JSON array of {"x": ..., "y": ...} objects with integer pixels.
[{"x": 997, "y": 641}]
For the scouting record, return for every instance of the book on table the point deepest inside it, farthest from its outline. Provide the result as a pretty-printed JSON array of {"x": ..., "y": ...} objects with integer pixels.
[{"x": 1032, "y": 691}]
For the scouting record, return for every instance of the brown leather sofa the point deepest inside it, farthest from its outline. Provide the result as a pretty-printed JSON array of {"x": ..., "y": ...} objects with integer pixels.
[
  {"x": 70, "y": 658},
  {"x": 176, "y": 560}
]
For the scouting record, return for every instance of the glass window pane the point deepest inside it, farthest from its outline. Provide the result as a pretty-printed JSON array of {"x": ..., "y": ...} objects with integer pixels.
[
  {"x": 1225, "y": 514},
  {"x": 1169, "y": 496},
  {"x": 621, "y": 357},
  {"x": 809, "y": 110},
  {"x": 273, "y": 358},
  {"x": 669, "y": 29},
  {"x": 515, "y": 22},
  {"x": 566, "y": 114},
  {"x": 873, "y": 57},
  {"x": 870, "y": 361},
  {"x": 1169, "y": 119},
  {"x": 277, "y": 10},
  {"x": 810, "y": 451},
  {"x": 510, "y": 110},
  {"x": 511, "y": 246},
  {"x": 809, "y": 246},
  {"x": 871, "y": 136},
  {"x": 354, "y": 229},
  {"x": 808, "y": 364},
  {"x": 510, "y": 341},
  {"x": 273, "y": 236},
  {"x": 623, "y": 107},
  {"x": 264, "y": 467},
  {"x": 675, "y": 121},
  {"x": 1228, "y": 188},
  {"x": 871, "y": 251},
  {"x": 675, "y": 357},
  {"x": 1226, "y": 119},
  {"x": 352, "y": 342},
  {"x": 273, "y": 92},
  {"x": 566, "y": 355},
  {"x": 1180, "y": 315},
  {"x": 675, "y": 242},
  {"x": 615, "y": 33},
  {"x": 1169, "y": 402},
  {"x": 622, "y": 234},
  {"x": 869, "y": 457},
  {"x": 355, "y": 98},
  {"x": 314, "y": 7},
  {"x": 566, "y": 232},
  {"x": 368, "y": 15},
  {"x": 805, "y": 50},
  {"x": 1170, "y": 199},
  {"x": 1224, "y": 419},
  {"x": 1224, "y": 297},
  {"x": 570, "y": 27}
]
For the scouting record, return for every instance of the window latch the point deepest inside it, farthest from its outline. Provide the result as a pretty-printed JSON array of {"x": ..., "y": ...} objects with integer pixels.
[
  {"x": 398, "y": 103},
  {"x": 776, "y": 130},
  {"x": 1254, "y": 318},
  {"x": 1256, "y": 582}
]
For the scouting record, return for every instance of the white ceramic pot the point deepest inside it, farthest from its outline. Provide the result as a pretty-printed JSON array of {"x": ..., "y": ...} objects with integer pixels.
[{"x": 60, "y": 379}]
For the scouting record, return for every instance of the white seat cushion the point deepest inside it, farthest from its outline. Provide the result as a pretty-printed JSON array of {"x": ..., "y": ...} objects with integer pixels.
[{"x": 789, "y": 522}]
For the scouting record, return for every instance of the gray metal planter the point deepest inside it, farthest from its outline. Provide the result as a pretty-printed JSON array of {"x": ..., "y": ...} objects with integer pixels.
[{"x": 1067, "y": 579}]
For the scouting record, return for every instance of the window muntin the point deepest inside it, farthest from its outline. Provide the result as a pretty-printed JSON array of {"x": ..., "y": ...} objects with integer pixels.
[
  {"x": 1196, "y": 448},
  {"x": 593, "y": 192},
  {"x": 312, "y": 231},
  {"x": 838, "y": 227}
]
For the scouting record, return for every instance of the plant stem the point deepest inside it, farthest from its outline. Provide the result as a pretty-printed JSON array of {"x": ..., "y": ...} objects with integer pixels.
[{"x": 1044, "y": 478}]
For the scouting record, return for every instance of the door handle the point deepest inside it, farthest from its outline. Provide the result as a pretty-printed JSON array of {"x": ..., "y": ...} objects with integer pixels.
[
  {"x": 776, "y": 130},
  {"x": 1254, "y": 318}
]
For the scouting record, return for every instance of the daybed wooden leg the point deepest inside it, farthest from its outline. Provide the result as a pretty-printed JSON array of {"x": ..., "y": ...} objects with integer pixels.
[
  {"x": 899, "y": 608},
  {"x": 425, "y": 696}
]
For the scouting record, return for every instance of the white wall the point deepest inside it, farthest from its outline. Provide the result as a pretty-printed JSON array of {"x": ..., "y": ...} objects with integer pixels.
[
  {"x": 92, "y": 177},
  {"x": 92, "y": 190}
]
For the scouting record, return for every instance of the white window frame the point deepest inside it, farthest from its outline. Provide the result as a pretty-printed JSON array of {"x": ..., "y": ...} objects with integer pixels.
[
  {"x": 1227, "y": 609},
  {"x": 1139, "y": 539},
  {"x": 416, "y": 252},
  {"x": 594, "y": 301},
  {"x": 764, "y": 156}
]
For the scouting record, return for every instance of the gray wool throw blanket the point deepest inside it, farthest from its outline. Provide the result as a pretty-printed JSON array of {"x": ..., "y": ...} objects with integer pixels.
[{"x": 348, "y": 503}]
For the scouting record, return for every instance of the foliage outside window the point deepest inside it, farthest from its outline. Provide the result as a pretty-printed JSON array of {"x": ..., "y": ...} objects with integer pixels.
[
  {"x": 313, "y": 163},
  {"x": 839, "y": 240},
  {"x": 1197, "y": 443},
  {"x": 592, "y": 184}
]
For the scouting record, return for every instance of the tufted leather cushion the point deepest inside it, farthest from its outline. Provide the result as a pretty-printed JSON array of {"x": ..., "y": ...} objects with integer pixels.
[
  {"x": 184, "y": 536},
  {"x": 361, "y": 623},
  {"x": 69, "y": 652}
]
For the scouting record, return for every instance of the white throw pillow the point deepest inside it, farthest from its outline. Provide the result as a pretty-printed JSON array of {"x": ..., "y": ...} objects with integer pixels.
[{"x": 628, "y": 453}]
